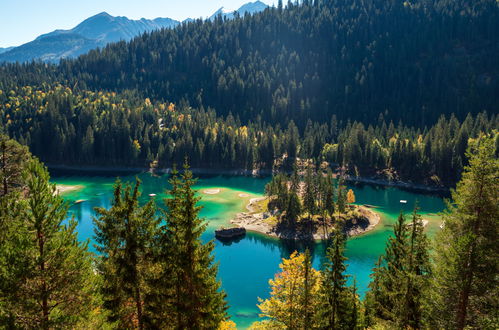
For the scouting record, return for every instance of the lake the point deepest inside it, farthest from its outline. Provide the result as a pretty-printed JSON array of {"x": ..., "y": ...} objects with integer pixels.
[{"x": 246, "y": 266}]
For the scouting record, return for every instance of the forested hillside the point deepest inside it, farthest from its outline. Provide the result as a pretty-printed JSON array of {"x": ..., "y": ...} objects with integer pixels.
[
  {"x": 411, "y": 60},
  {"x": 357, "y": 83}
]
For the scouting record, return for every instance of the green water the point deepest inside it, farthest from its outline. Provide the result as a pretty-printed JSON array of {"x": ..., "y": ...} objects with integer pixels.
[{"x": 246, "y": 266}]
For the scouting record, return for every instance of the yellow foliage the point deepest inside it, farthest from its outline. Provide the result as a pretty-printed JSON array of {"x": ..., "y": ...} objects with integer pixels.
[
  {"x": 227, "y": 325},
  {"x": 136, "y": 145},
  {"x": 243, "y": 131},
  {"x": 286, "y": 305},
  {"x": 171, "y": 107},
  {"x": 350, "y": 197}
]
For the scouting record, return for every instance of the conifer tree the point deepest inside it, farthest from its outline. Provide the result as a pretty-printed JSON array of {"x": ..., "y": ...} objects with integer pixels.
[
  {"x": 465, "y": 290},
  {"x": 309, "y": 195},
  {"x": 13, "y": 157},
  {"x": 46, "y": 273},
  {"x": 125, "y": 237},
  {"x": 388, "y": 277},
  {"x": 401, "y": 276},
  {"x": 197, "y": 302},
  {"x": 335, "y": 294}
]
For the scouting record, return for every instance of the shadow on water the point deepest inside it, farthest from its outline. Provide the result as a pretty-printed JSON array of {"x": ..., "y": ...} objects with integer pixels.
[{"x": 285, "y": 247}]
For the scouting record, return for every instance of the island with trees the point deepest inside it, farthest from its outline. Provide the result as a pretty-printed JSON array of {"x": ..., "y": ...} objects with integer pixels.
[{"x": 308, "y": 204}]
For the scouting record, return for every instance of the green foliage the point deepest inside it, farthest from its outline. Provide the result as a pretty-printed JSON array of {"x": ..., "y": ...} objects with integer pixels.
[
  {"x": 195, "y": 299},
  {"x": 13, "y": 158},
  {"x": 465, "y": 290},
  {"x": 125, "y": 237},
  {"x": 401, "y": 277},
  {"x": 46, "y": 275},
  {"x": 339, "y": 305},
  {"x": 72, "y": 126}
]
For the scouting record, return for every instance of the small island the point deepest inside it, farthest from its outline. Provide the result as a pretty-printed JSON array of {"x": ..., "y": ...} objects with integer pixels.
[{"x": 306, "y": 205}]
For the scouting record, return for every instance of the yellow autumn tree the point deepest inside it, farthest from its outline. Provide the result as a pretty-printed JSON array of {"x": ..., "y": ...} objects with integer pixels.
[
  {"x": 350, "y": 197},
  {"x": 294, "y": 296},
  {"x": 227, "y": 325}
]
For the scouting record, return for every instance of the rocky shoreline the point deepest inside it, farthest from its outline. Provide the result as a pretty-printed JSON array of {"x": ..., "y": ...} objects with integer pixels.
[
  {"x": 257, "y": 222},
  {"x": 246, "y": 172}
]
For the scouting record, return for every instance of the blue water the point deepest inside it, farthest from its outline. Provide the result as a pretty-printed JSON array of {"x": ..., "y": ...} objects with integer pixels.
[{"x": 246, "y": 266}]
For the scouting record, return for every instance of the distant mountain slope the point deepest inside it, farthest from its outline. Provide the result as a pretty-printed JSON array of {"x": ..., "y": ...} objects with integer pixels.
[
  {"x": 3, "y": 50},
  {"x": 250, "y": 8},
  {"x": 96, "y": 31}
]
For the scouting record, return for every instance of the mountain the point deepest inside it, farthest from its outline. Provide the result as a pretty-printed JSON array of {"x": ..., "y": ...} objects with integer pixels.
[
  {"x": 96, "y": 31},
  {"x": 250, "y": 8},
  {"x": 3, "y": 50}
]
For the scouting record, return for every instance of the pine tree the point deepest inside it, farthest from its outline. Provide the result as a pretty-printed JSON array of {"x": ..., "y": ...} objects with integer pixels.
[
  {"x": 335, "y": 294},
  {"x": 293, "y": 209},
  {"x": 465, "y": 290},
  {"x": 418, "y": 273},
  {"x": 13, "y": 157},
  {"x": 401, "y": 276},
  {"x": 125, "y": 236},
  {"x": 47, "y": 271},
  {"x": 309, "y": 194},
  {"x": 388, "y": 276},
  {"x": 197, "y": 301}
]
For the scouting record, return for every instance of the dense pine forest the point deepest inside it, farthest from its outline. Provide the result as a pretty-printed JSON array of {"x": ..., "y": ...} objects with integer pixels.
[{"x": 388, "y": 88}]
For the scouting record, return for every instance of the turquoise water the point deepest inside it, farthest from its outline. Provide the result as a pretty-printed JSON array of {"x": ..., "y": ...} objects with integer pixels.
[{"x": 246, "y": 266}]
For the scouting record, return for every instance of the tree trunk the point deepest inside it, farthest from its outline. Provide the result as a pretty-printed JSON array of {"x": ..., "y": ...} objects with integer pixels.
[
  {"x": 44, "y": 293},
  {"x": 138, "y": 304}
]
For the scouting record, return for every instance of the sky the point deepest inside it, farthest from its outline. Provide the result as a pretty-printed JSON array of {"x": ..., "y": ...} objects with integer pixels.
[{"x": 22, "y": 21}]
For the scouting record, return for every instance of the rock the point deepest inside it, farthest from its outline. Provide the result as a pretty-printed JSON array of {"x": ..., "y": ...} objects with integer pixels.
[{"x": 230, "y": 233}]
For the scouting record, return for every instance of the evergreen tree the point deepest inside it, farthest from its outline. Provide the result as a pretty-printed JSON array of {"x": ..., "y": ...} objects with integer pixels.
[
  {"x": 401, "y": 276},
  {"x": 335, "y": 313},
  {"x": 293, "y": 209},
  {"x": 388, "y": 275},
  {"x": 46, "y": 274},
  {"x": 465, "y": 289},
  {"x": 197, "y": 301},
  {"x": 125, "y": 237},
  {"x": 309, "y": 194},
  {"x": 13, "y": 157}
]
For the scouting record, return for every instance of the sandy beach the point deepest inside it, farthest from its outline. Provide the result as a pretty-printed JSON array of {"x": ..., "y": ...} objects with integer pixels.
[{"x": 64, "y": 189}]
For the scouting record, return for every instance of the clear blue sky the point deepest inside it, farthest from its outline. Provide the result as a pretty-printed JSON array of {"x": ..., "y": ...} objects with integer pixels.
[{"x": 23, "y": 20}]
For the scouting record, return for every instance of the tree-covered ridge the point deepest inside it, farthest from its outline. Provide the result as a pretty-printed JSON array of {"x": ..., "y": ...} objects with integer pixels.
[
  {"x": 410, "y": 60},
  {"x": 65, "y": 126}
]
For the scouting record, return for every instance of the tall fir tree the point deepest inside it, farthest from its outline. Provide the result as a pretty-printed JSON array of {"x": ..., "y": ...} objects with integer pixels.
[
  {"x": 197, "y": 301},
  {"x": 125, "y": 236},
  {"x": 335, "y": 306},
  {"x": 401, "y": 277},
  {"x": 466, "y": 287}
]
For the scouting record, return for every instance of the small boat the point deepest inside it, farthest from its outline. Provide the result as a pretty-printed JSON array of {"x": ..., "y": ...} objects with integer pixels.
[
  {"x": 403, "y": 201},
  {"x": 230, "y": 233},
  {"x": 80, "y": 201},
  {"x": 152, "y": 195}
]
